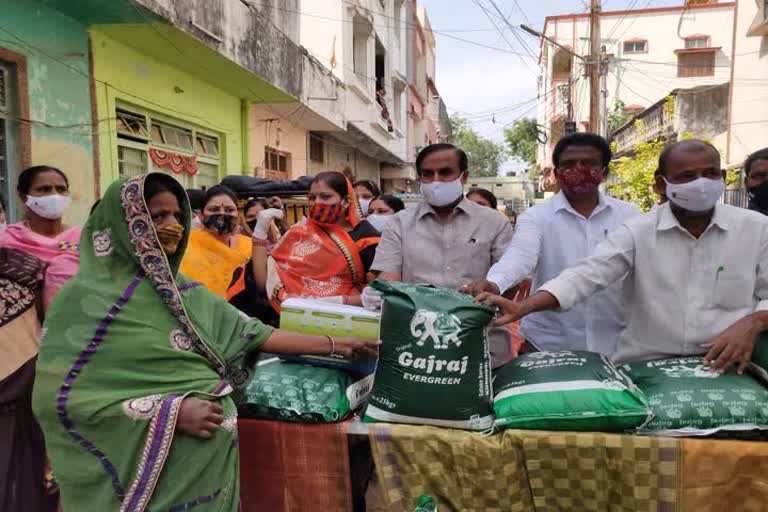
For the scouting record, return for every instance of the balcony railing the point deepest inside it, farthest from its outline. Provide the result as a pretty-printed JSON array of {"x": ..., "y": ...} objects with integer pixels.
[
  {"x": 736, "y": 197},
  {"x": 650, "y": 124}
]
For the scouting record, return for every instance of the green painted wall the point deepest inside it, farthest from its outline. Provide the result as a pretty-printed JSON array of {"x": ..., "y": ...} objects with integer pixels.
[
  {"x": 127, "y": 76},
  {"x": 56, "y": 48}
]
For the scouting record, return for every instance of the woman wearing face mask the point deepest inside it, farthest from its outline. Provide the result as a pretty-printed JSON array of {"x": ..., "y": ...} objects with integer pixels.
[
  {"x": 756, "y": 173},
  {"x": 44, "y": 191},
  {"x": 215, "y": 251},
  {"x": 366, "y": 191},
  {"x": 326, "y": 257},
  {"x": 382, "y": 209},
  {"x": 251, "y": 217},
  {"x": 135, "y": 375}
]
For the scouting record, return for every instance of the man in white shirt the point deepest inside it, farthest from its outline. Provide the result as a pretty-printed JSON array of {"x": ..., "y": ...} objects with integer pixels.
[
  {"x": 555, "y": 235},
  {"x": 697, "y": 271}
]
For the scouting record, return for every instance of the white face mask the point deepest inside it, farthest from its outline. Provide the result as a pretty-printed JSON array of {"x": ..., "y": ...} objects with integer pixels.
[
  {"x": 442, "y": 193},
  {"x": 2, "y": 226},
  {"x": 379, "y": 221},
  {"x": 699, "y": 195},
  {"x": 364, "y": 205},
  {"x": 49, "y": 207}
]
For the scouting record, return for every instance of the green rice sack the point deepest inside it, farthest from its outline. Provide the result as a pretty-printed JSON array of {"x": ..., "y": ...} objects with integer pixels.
[
  {"x": 759, "y": 364},
  {"x": 300, "y": 393},
  {"x": 433, "y": 365},
  {"x": 688, "y": 399},
  {"x": 568, "y": 390}
]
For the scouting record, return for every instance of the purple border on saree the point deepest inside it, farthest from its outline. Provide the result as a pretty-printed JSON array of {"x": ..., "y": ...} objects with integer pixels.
[{"x": 77, "y": 367}]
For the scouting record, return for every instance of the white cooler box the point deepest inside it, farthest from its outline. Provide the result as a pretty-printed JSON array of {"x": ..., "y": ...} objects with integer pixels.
[{"x": 309, "y": 316}]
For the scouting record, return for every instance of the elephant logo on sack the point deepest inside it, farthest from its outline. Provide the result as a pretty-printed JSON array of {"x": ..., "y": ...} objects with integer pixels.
[
  {"x": 442, "y": 328},
  {"x": 686, "y": 372}
]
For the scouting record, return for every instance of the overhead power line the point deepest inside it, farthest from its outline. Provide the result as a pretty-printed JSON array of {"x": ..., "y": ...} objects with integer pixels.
[{"x": 504, "y": 37}]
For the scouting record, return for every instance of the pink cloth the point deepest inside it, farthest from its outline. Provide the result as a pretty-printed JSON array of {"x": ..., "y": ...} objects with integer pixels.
[{"x": 61, "y": 253}]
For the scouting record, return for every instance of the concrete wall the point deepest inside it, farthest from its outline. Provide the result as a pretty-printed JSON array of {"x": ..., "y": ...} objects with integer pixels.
[
  {"x": 345, "y": 158},
  {"x": 327, "y": 29},
  {"x": 323, "y": 32},
  {"x": 637, "y": 78},
  {"x": 154, "y": 85},
  {"x": 245, "y": 35},
  {"x": 749, "y": 101},
  {"x": 505, "y": 188},
  {"x": 278, "y": 134},
  {"x": 57, "y": 93},
  {"x": 703, "y": 112}
]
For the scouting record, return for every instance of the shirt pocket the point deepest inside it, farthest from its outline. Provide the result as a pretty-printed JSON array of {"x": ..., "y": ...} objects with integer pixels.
[
  {"x": 733, "y": 291},
  {"x": 474, "y": 258}
]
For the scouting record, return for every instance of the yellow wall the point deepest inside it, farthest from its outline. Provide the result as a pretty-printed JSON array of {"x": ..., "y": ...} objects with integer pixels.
[{"x": 134, "y": 78}]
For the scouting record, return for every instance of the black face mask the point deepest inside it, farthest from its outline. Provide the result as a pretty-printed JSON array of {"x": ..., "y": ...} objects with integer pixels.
[
  {"x": 220, "y": 223},
  {"x": 252, "y": 223},
  {"x": 759, "y": 197}
]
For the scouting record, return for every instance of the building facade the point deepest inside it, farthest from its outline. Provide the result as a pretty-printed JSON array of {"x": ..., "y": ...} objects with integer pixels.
[
  {"x": 363, "y": 44},
  {"x": 648, "y": 53},
  {"x": 202, "y": 89},
  {"x": 748, "y": 102}
]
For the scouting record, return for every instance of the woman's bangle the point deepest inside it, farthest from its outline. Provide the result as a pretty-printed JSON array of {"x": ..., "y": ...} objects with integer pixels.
[{"x": 333, "y": 346}]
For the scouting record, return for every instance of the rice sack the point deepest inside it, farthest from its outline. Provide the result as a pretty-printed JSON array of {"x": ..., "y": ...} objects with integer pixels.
[
  {"x": 300, "y": 393},
  {"x": 759, "y": 365},
  {"x": 568, "y": 390},
  {"x": 688, "y": 399},
  {"x": 433, "y": 365}
]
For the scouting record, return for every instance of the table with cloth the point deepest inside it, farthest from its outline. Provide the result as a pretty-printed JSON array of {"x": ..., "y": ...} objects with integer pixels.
[{"x": 307, "y": 467}]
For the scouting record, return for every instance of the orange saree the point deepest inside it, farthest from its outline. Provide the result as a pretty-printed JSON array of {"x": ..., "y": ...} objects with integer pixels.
[{"x": 314, "y": 260}]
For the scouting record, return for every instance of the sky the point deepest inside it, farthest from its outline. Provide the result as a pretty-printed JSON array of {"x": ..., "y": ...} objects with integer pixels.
[{"x": 474, "y": 81}]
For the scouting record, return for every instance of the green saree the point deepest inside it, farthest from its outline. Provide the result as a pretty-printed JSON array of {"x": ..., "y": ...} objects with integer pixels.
[{"x": 124, "y": 342}]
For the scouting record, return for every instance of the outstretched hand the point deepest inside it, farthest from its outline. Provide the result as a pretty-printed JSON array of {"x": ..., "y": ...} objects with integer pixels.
[
  {"x": 356, "y": 348},
  {"x": 510, "y": 311},
  {"x": 475, "y": 288},
  {"x": 199, "y": 418},
  {"x": 733, "y": 348}
]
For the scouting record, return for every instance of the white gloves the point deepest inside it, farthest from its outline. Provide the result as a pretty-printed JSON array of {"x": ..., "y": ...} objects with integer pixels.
[
  {"x": 263, "y": 221},
  {"x": 372, "y": 299}
]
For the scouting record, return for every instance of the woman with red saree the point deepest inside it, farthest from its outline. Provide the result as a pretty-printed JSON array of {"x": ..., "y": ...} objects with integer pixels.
[{"x": 327, "y": 257}]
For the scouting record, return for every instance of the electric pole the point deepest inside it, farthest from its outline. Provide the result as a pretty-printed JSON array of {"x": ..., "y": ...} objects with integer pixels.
[
  {"x": 603, "y": 92},
  {"x": 595, "y": 65}
]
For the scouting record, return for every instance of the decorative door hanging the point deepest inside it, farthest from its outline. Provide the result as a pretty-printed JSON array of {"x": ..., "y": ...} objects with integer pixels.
[{"x": 175, "y": 162}]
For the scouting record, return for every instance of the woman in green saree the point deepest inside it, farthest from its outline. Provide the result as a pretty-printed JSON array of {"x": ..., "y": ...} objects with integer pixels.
[{"x": 137, "y": 364}]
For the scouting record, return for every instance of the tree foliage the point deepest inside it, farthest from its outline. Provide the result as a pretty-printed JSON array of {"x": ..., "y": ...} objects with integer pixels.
[
  {"x": 618, "y": 117},
  {"x": 521, "y": 140},
  {"x": 632, "y": 177},
  {"x": 485, "y": 156}
]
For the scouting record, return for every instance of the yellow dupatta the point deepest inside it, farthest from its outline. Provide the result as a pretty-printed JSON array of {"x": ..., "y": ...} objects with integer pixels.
[{"x": 211, "y": 263}]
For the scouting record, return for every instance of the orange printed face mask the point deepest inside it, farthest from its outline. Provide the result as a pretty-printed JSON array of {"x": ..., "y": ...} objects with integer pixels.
[
  {"x": 326, "y": 214},
  {"x": 169, "y": 237}
]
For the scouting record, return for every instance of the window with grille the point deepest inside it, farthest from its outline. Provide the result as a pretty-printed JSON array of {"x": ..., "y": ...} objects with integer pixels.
[
  {"x": 316, "y": 148},
  {"x": 695, "y": 64},
  {"x": 276, "y": 163},
  {"x": 696, "y": 42},
  {"x": 139, "y": 131},
  {"x": 635, "y": 46}
]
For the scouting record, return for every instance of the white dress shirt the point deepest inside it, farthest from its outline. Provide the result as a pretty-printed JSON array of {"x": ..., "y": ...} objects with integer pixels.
[
  {"x": 681, "y": 292},
  {"x": 549, "y": 238}
]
